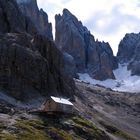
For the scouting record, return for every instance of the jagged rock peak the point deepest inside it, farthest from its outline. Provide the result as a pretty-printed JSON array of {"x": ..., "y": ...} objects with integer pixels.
[
  {"x": 67, "y": 13},
  {"x": 128, "y": 52},
  {"x": 127, "y": 47},
  {"x": 12, "y": 20},
  {"x": 90, "y": 56},
  {"x": 38, "y": 17},
  {"x": 72, "y": 20}
]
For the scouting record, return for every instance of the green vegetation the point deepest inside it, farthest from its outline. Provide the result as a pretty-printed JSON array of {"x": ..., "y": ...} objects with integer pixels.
[
  {"x": 7, "y": 136},
  {"x": 31, "y": 130},
  {"x": 83, "y": 122},
  {"x": 61, "y": 133},
  {"x": 2, "y": 127},
  {"x": 88, "y": 129},
  {"x": 47, "y": 128}
]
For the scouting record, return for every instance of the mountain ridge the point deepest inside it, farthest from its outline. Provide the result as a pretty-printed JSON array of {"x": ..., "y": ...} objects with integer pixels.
[
  {"x": 33, "y": 68},
  {"x": 89, "y": 55},
  {"x": 31, "y": 64}
]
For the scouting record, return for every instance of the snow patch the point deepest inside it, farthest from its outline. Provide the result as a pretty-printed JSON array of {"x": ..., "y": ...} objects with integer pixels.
[{"x": 124, "y": 81}]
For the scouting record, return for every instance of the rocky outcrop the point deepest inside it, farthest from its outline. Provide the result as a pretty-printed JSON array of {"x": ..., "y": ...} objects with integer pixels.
[
  {"x": 38, "y": 17},
  {"x": 24, "y": 17},
  {"x": 128, "y": 52},
  {"x": 127, "y": 47},
  {"x": 101, "y": 67},
  {"x": 12, "y": 19},
  {"x": 89, "y": 55},
  {"x": 30, "y": 65}
]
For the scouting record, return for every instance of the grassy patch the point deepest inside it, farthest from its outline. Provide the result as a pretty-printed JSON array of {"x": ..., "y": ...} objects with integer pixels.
[
  {"x": 61, "y": 134},
  {"x": 31, "y": 130},
  {"x": 88, "y": 130},
  {"x": 43, "y": 128},
  {"x": 2, "y": 127},
  {"x": 7, "y": 136},
  {"x": 83, "y": 122}
]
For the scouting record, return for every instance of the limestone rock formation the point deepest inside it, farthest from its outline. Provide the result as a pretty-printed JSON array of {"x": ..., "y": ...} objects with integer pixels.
[
  {"x": 89, "y": 55},
  {"x": 38, "y": 17},
  {"x": 12, "y": 19},
  {"x": 127, "y": 47},
  {"x": 30, "y": 65},
  {"x": 128, "y": 52}
]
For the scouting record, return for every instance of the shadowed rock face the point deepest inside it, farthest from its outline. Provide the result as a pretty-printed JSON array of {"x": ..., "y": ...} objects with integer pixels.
[
  {"x": 89, "y": 55},
  {"x": 127, "y": 47},
  {"x": 38, "y": 17},
  {"x": 69, "y": 65},
  {"x": 30, "y": 64},
  {"x": 128, "y": 52},
  {"x": 11, "y": 19}
]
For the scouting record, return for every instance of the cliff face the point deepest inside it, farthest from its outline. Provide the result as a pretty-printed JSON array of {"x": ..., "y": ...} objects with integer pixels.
[
  {"x": 128, "y": 52},
  {"x": 29, "y": 64},
  {"x": 12, "y": 19},
  {"x": 37, "y": 17},
  {"x": 24, "y": 17},
  {"x": 90, "y": 56},
  {"x": 127, "y": 47}
]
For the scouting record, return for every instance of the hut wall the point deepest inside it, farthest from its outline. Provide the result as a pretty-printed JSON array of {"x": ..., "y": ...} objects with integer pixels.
[{"x": 51, "y": 105}]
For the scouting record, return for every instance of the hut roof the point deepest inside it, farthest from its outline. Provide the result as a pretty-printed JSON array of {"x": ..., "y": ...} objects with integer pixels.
[{"x": 61, "y": 100}]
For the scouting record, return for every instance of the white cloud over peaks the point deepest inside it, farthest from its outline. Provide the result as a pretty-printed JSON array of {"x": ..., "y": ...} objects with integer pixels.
[{"x": 107, "y": 20}]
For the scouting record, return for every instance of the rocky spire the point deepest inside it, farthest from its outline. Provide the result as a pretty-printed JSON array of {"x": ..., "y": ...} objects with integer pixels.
[
  {"x": 127, "y": 47},
  {"x": 76, "y": 40},
  {"x": 128, "y": 52},
  {"x": 11, "y": 19},
  {"x": 38, "y": 17}
]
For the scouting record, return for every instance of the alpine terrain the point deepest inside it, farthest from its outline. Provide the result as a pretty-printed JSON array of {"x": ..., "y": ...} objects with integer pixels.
[{"x": 68, "y": 88}]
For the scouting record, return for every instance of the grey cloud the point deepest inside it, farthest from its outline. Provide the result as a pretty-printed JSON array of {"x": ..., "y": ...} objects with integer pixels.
[
  {"x": 65, "y": 1},
  {"x": 117, "y": 20}
]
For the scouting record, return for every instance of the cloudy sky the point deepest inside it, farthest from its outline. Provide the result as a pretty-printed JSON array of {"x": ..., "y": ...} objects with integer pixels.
[{"x": 108, "y": 20}]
